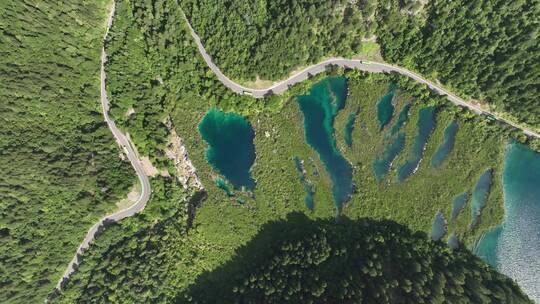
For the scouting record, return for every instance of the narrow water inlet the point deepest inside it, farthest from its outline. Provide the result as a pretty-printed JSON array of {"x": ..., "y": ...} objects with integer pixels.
[
  {"x": 425, "y": 125},
  {"x": 325, "y": 99},
  {"x": 385, "y": 107}
]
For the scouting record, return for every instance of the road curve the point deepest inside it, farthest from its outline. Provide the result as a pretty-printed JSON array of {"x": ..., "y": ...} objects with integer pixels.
[
  {"x": 126, "y": 145},
  {"x": 375, "y": 67}
]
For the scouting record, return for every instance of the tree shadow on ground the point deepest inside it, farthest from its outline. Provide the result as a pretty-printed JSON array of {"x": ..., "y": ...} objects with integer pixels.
[{"x": 299, "y": 260}]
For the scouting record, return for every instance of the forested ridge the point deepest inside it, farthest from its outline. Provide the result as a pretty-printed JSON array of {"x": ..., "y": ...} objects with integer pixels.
[
  {"x": 487, "y": 50},
  {"x": 362, "y": 261},
  {"x": 270, "y": 38},
  {"x": 60, "y": 165}
]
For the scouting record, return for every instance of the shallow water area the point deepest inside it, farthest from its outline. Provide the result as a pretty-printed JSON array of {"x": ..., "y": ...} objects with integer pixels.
[
  {"x": 320, "y": 107},
  {"x": 381, "y": 165},
  {"x": 426, "y": 124},
  {"x": 480, "y": 195},
  {"x": 514, "y": 247},
  {"x": 458, "y": 203},
  {"x": 446, "y": 146},
  {"x": 385, "y": 107},
  {"x": 308, "y": 187},
  {"x": 438, "y": 228},
  {"x": 230, "y": 151},
  {"x": 402, "y": 119},
  {"x": 221, "y": 184}
]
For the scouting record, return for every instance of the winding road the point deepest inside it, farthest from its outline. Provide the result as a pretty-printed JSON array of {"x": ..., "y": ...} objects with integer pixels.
[
  {"x": 280, "y": 87},
  {"x": 127, "y": 146},
  {"x": 374, "y": 67}
]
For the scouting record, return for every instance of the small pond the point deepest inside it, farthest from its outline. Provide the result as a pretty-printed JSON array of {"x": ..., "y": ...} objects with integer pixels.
[
  {"x": 480, "y": 195},
  {"x": 308, "y": 187},
  {"x": 438, "y": 228},
  {"x": 402, "y": 119},
  {"x": 458, "y": 203},
  {"x": 426, "y": 124},
  {"x": 446, "y": 146},
  {"x": 231, "y": 151},
  {"x": 349, "y": 127},
  {"x": 381, "y": 165},
  {"x": 385, "y": 107}
]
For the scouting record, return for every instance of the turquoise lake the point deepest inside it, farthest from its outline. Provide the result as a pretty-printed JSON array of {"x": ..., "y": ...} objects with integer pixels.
[
  {"x": 385, "y": 107},
  {"x": 426, "y": 124},
  {"x": 480, "y": 195},
  {"x": 514, "y": 247},
  {"x": 381, "y": 165},
  {"x": 446, "y": 146},
  {"x": 320, "y": 107},
  {"x": 230, "y": 151}
]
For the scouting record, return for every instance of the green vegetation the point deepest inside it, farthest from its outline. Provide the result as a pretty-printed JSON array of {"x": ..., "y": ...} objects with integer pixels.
[
  {"x": 486, "y": 49},
  {"x": 157, "y": 81},
  {"x": 141, "y": 258},
  {"x": 148, "y": 40},
  {"x": 362, "y": 261},
  {"x": 271, "y": 38},
  {"x": 60, "y": 166}
]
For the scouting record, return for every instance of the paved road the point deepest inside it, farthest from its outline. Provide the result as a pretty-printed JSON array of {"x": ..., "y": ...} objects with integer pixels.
[
  {"x": 375, "y": 67},
  {"x": 126, "y": 145}
]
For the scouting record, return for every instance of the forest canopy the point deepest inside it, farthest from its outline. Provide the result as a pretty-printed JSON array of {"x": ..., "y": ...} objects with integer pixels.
[
  {"x": 60, "y": 166},
  {"x": 299, "y": 260},
  {"x": 487, "y": 50}
]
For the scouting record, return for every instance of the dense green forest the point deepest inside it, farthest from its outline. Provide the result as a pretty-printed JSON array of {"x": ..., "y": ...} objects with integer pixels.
[
  {"x": 299, "y": 260},
  {"x": 488, "y": 49},
  {"x": 141, "y": 258},
  {"x": 59, "y": 162},
  {"x": 271, "y": 38}
]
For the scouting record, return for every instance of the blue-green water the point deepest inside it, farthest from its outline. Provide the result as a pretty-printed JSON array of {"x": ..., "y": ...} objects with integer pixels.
[
  {"x": 349, "y": 127},
  {"x": 230, "y": 146},
  {"x": 426, "y": 123},
  {"x": 458, "y": 203},
  {"x": 308, "y": 187},
  {"x": 487, "y": 247},
  {"x": 385, "y": 107},
  {"x": 514, "y": 247},
  {"x": 446, "y": 146},
  {"x": 320, "y": 107},
  {"x": 453, "y": 241},
  {"x": 223, "y": 186},
  {"x": 438, "y": 228},
  {"x": 381, "y": 165},
  {"x": 480, "y": 195},
  {"x": 402, "y": 119}
]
